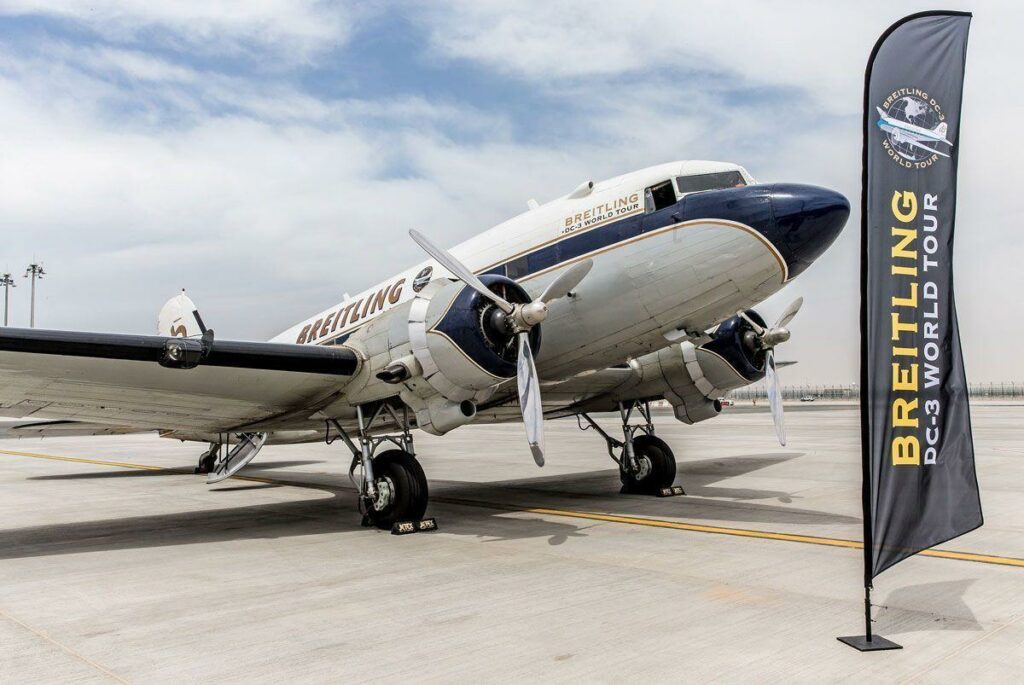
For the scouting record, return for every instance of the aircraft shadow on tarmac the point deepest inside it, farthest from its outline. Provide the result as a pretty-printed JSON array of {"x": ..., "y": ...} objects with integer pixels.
[
  {"x": 696, "y": 476},
  {"x": 142, "y": 473},
  {"x": 476, "y": 509}
]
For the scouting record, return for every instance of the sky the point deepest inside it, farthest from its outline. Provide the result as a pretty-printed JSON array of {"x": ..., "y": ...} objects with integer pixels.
[{"x": 271, "y": 155}]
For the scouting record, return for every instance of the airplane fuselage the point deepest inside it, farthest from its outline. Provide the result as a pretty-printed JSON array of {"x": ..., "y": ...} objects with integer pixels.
[{"x": 665, "y": 260}]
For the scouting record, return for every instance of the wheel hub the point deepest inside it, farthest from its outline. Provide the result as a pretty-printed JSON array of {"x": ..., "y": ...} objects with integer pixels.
[
  {"x": 385, "y": 494},
  {"x": 643, "y": 467}
]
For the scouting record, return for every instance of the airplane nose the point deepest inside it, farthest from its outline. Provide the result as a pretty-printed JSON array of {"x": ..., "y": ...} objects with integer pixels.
[{"x": 807, "y": 219}]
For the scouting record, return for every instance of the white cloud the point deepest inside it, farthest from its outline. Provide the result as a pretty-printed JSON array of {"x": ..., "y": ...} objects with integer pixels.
[
  {"x": 816, "y": 47},
  {"x": 295, "y": 30},
  {"x": 267, "y": 203},
  {"x": 134, "y": 173}
]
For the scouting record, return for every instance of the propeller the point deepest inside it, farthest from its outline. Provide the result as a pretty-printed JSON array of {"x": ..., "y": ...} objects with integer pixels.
[
  {"x": 459, "y": 270},
  {"x": 519, "y": 319},
  {"x": 766, "y": 340}
]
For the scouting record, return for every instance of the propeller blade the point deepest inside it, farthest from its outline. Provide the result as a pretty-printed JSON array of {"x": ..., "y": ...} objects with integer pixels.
[
  {"x": 758, "y": 328},
  {"x": 459, "y": 269},
  {"x": 529, "y": 398},
  {"x": 570, "y": 278},
  {"x": 789, "y": 312},
  {"x": 774, "y": 396}
]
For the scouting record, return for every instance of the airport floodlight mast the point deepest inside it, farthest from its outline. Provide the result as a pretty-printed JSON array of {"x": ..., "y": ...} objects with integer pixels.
[
  {"x": 36, "y": 271},
  {"x": 7, "y": 282}
]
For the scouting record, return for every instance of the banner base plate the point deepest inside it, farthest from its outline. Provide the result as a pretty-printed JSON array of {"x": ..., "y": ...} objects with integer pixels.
[{"x": 861, "y": 644}]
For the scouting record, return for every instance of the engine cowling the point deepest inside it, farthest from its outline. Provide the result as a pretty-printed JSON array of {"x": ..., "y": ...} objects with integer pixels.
[
  {"x": 463, "y": 349},
  {"x": 694, "y": 378}
]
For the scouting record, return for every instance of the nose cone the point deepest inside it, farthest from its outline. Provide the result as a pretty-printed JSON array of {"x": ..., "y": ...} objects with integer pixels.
[{"x": 807, "y": 219}]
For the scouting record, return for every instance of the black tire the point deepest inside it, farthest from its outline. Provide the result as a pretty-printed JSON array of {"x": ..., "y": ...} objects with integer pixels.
[
  {"x": 409, "y": 483},
  {"x": 663, "y": 446},
  {"x": 662, "y": 467}
]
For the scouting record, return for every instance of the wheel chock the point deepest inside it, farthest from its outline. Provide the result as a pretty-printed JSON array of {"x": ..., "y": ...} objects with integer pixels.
[
  {"x": 673, "y": 491},
  {"x": 406, "y": 527}
]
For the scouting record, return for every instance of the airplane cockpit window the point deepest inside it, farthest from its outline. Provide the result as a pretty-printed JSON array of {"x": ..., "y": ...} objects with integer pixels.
[
  {"x": 715, "y": 181},
  {"x": 659, "y": 196}
]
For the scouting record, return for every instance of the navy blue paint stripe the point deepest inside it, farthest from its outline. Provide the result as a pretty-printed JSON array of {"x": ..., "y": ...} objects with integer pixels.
[{"x": 748, "y": 205}]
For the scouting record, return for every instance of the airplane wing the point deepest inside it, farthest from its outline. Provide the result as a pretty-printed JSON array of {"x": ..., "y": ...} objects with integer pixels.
[
  {"x": 59, "y": 428},
  {"x": 167, "y": 384},
  {"x": 910, "y": 140}
]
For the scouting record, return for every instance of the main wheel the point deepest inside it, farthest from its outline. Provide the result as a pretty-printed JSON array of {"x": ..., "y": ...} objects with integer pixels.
[
  {"x": 401, "y": 489},
  {"x": 657, "y": 467}
]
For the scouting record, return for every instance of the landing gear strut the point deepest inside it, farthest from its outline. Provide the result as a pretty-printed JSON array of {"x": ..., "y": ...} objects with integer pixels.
[
  {"x": 647, "y": 465},
  {"x": 208, "y": 459},
  {"x": 392, "y": 486}
]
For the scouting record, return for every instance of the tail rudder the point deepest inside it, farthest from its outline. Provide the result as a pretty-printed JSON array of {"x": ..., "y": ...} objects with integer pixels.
[
  {"x": 940, "y": 130},
  {"x": 180, "y": 318}
]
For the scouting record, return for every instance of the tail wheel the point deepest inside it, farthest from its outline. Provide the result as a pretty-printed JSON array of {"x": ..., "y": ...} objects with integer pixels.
[
  {"x": 657, "y": 467},
  {"x": 401, "y": 489}
]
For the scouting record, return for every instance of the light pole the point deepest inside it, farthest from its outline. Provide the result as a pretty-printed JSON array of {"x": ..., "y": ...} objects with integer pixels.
[
  {"x": 7, "y": 282},
  {"x": 36, "y": 271}
]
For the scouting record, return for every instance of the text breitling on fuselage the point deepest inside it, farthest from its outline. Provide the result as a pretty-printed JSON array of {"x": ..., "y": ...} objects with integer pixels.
[{"x": 351, "y": 313}]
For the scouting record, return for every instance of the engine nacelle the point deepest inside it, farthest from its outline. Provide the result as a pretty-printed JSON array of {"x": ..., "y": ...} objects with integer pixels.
[
  {"x": 694, "y": 378},
  {"x": 461, "y": 351}
]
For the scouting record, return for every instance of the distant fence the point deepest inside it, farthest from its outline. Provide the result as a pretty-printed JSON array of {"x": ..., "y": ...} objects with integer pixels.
[{"x": 852, "y": 392}]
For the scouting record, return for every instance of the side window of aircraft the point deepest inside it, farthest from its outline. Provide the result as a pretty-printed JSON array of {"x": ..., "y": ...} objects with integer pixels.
[
  {"x": 659, "y": 196},
  {"x": 517, "y": 268},
  {"x": 716, "y": 181}
]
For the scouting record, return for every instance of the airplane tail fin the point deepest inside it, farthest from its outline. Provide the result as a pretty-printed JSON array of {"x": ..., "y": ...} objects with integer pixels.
[
  {"x": 941, "y": 129},
  {"x": 180, "y": 318}
]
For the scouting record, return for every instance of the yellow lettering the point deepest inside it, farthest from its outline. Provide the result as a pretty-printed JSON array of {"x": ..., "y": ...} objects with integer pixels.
[
  {"x": 899, "y": 327},
  {"x": 898, "y": 250},
  {"x": 907, "y": 301},
  {"x": 906, "y": 451},
  {"x": 904, "y": 379},
  {"x": 901, "y": 410},
  {"x": 908, "y": 201}
]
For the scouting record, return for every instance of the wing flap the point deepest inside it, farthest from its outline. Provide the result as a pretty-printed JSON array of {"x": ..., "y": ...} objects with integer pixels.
[{"x": 58, "y": 429}]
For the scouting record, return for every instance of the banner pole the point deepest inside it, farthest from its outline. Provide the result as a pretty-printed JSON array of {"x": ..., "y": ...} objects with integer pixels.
[
  {"x": 867, "y": 613},
  {"x": 928, "y": 55}
]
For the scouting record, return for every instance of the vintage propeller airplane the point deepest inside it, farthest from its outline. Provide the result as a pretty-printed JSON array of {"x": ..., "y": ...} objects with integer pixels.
[{"x": 641, "y": 284}]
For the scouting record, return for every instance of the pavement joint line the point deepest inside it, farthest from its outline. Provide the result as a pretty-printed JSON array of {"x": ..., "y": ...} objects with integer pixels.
[
  {"x": 42, "y": 635},
  {"x": 592, "y": 516}
]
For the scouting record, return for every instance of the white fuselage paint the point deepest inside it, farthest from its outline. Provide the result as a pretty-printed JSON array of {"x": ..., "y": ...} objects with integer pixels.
[{"x": 687, "y": 275}]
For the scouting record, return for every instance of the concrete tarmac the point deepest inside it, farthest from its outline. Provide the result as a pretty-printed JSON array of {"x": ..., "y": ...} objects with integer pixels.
[{"x": 117, "y": 564}]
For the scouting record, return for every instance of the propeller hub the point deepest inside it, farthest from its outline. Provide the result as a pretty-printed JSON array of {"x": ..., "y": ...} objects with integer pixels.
[
  {"x": 532, "y": 313},
  {"x": 775, "y": 336}
]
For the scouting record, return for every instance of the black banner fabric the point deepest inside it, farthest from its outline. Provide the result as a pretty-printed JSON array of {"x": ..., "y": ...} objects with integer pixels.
[{"x": 920, "y": 483}]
